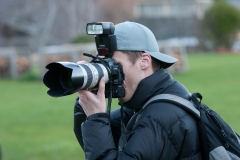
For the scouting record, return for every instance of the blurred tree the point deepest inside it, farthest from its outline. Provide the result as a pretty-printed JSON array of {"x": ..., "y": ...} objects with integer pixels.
[
  {"x": 37, "y": 23},
  {"x": 221, "y": 23}
]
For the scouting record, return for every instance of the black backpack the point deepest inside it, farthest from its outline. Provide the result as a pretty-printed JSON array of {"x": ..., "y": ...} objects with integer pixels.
[{"x": 218, "y": 140}]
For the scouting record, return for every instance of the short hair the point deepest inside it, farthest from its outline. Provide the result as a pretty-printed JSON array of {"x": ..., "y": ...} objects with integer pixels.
[{"x": 134, "y": 55}]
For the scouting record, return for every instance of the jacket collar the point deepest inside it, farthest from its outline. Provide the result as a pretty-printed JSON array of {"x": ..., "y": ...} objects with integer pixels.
[{"x": 148, "y": 87}]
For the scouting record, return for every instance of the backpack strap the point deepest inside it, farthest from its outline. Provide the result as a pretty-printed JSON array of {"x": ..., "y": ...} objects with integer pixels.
[{"x": 179, "y": 101}]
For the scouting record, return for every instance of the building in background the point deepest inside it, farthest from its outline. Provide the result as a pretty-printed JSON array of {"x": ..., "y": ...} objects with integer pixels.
[
  {"x": 173, "y": 18},
  {"x": 36, "y": 23}
]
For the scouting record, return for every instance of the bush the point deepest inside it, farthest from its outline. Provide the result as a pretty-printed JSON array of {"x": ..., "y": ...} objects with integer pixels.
[
  {"x": 221, "y": 23},
  {"x": 31, "y": 75},
  {"x": 84, "y": 39}
]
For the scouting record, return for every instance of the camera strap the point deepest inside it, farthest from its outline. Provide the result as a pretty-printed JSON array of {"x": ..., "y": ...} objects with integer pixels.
[{"x": 123, "y": 138}]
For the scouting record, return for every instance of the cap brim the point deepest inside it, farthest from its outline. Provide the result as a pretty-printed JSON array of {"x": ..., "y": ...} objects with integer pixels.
[{"x": 165, "y": 60}]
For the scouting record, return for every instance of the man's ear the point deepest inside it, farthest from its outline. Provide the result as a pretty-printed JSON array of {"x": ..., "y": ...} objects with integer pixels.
[{"x": 146, "y": 61}]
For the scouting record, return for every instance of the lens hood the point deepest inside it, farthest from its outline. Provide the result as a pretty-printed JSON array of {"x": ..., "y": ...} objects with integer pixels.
[{"x": 63, "y": 78}]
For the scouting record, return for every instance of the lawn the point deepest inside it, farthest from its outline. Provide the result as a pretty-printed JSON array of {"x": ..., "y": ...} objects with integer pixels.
[
  {"x": 35, "y": 126},
  {"x": 217, "y": 78}
]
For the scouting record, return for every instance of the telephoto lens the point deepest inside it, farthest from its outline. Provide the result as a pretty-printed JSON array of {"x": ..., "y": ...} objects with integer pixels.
[{"x": 65, "y": 78}]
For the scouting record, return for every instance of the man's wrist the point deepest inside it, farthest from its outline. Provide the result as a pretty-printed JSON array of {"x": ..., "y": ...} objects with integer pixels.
[{"x": 98, "y": 115}]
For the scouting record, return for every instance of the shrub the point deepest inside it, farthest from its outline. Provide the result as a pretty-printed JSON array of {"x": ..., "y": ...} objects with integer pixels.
[
  {"x": 83, "y": 39},
  {"x": 221, "y": 23}
]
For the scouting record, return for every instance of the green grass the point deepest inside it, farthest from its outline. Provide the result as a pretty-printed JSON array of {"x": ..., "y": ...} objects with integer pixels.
[
  {"x": 217, "y": 78},
  {"x": 35, "y": 126}
]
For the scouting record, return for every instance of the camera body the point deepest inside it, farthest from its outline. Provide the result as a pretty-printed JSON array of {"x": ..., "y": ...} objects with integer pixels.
[
  {"x": 116, "y": 77},
  {"x": 65, "y": 78}
]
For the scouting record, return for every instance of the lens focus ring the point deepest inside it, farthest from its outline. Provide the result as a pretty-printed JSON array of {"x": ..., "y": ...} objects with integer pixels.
[{"x": 92, "y": 73}]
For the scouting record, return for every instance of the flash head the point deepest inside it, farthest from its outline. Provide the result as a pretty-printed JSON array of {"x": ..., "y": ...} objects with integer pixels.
[
  {"x": 104, "y": 37},
  {"x": 97, "y": 28}
]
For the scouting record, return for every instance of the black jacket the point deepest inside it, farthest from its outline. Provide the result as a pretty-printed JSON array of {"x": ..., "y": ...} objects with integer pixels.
[{"x": 163, "y": 130}]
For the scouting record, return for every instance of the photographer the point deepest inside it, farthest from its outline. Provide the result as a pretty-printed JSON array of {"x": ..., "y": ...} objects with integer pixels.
[{"x": 162, "y": 130}]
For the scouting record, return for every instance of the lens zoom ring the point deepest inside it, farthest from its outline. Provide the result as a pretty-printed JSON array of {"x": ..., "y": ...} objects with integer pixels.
[
  {"x": 99, "y": 69},
  {"x": 89, "y": 76}
]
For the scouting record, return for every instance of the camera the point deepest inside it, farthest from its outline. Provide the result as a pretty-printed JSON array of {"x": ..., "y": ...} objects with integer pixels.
[{"x": 65, "y": 78}]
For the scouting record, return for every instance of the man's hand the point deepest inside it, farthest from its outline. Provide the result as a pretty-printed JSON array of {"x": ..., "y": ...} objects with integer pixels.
[{"x": 92, "y": 103}]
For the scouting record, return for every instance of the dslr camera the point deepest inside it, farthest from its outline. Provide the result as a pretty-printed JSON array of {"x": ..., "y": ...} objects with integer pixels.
[{"x": 65, "y": 78}]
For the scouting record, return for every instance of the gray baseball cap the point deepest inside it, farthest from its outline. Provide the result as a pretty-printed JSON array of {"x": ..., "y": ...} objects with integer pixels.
[{"x": 133, "y": 36}]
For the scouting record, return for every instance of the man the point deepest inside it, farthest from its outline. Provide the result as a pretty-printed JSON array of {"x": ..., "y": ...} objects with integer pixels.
[{"x": 162, "y": 130}]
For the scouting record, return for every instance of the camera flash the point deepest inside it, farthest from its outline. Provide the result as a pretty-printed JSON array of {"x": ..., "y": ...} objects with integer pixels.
[{"x": 94, "y": 29}]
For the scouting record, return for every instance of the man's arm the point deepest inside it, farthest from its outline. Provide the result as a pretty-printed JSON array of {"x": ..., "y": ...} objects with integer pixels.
[
  {"x": 146, "y": 141},
  {"x": 79, "y": 118}
]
